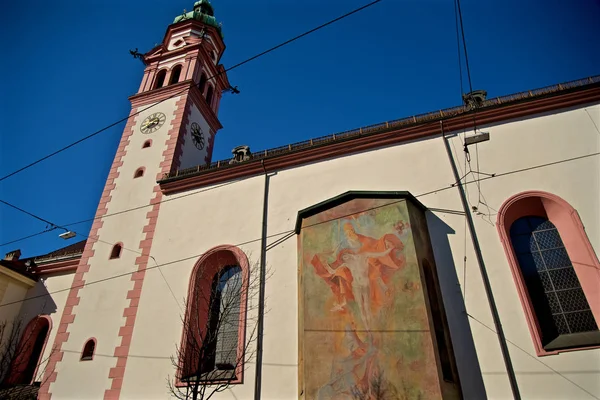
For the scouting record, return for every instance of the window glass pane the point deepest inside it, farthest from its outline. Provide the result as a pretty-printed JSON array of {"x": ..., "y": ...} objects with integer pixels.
[
  {"x": 572, "y": 300},
  {"x": 546, "y": 282},
  {"x": 561, "y": 324},
  {"x": 553, "y": 303},
  {"x": 582, "y": 321},
  {"x": 538, "y": 223},
  {"x": 555, "y": 292},
  {"x": 556, "y": 258},
  {"x": 564, "y": 278},
  {"x": 520, "y": 226},
  {"x": 523, "y": 243},
  {"x": 548, "y": 239},
  {"x": 545, "y": 224},
  {"x": 227, "y": 336},
  {"x": 528, "y": 264},
  {"x": 539, "y": 262}
]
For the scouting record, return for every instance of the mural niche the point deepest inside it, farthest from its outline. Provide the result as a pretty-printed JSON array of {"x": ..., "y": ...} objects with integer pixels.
[{"x": 366, "y": 329}]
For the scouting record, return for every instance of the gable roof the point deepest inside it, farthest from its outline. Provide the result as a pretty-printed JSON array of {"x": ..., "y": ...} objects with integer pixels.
[{"x": 71, "y": 250}]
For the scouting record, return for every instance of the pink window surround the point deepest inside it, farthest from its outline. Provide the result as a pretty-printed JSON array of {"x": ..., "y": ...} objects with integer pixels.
[
  {"x": 580, "y": 251},
  {"x": 139, "y": 172},
  {"x": 85, "y": 351},
  {"x": 204, "y": 270},
  {"x": 18, "y": 368},
  {"x": 147, "y": 143}
]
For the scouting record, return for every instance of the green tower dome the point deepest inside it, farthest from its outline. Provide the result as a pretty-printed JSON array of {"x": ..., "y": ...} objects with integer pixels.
[{"x": 203, "y": 12}]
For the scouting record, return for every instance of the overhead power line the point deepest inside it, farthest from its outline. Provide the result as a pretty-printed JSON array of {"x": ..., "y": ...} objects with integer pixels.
[
  {"x": 279, "y": 234},
  {"x": 228, "y": 183},
  {"x": 182, "y": 91}
]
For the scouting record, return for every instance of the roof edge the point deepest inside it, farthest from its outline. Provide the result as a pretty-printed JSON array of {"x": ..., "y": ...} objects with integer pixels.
[{"x": 351, "y": 195}]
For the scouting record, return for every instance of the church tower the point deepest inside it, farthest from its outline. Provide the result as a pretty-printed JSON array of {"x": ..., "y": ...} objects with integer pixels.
[{"x": 172, "y": 125}]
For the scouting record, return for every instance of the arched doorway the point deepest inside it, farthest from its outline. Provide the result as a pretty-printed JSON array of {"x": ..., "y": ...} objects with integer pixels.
[{"x": 29, "y": 352}]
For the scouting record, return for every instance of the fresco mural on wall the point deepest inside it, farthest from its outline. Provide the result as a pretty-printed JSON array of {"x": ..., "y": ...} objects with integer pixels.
[{"x": 364, "y": 328}]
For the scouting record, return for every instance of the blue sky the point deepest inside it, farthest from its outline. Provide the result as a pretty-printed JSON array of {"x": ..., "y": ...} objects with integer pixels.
[{"x": 67, "y": 72}]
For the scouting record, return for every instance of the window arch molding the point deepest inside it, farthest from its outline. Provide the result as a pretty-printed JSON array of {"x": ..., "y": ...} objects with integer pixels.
[
  {"x": 581, "y": 253},
  {"x": 208, "y": 266}
]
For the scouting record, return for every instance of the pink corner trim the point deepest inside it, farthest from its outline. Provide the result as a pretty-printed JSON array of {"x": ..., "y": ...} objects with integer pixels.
[
  {"x": 582, "y": 255},
  {"x": 242, "y": 260},
  {"x": 121, "y": 351},
  {"x": 93, "y": 339},
  {"x": 68, "y": 314}
]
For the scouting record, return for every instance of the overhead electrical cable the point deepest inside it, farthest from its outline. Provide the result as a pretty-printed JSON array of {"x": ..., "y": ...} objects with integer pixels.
[
  {"x": 187, "y": 88},
  {"x": 314, "y": 224}
]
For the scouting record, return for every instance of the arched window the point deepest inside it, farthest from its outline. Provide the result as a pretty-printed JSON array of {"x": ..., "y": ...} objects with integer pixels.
[
  {"x": 139, "y": 172},
  {"x": 116, "y": 251},
  {"x": 29, "y": 352},
  {"x": 175, "y": 74},
  {"x": 215, "y": 318},
  {"x": 554, "y": 267},
  {"x": 160, "y": 78},
  {"x": 88, "y": 350},
  {"x": 209, "y": 95},
  {"x": 147, "y": 144},
  {"x": 202, "y": 83}
]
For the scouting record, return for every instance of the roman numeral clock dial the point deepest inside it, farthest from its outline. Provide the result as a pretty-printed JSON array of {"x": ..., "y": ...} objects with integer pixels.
[
  {"x": 153, "y": 123},
  {"x": 197, "y": 136}
]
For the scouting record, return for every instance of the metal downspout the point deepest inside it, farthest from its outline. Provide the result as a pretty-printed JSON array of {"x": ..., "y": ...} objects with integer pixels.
[
  {"x": 486, "y": 282},
  {"x": 261, "y": 292}
]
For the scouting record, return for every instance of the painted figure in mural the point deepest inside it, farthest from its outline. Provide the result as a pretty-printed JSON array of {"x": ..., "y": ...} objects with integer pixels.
[
  {"x": 359, "y": 276},
  {"x": 361, "y": 272}
]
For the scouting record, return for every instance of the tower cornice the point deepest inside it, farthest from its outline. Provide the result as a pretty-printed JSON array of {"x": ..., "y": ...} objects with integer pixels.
[
  {"x": 156, "y": 95},
  {"x": 161, "y": 50}
]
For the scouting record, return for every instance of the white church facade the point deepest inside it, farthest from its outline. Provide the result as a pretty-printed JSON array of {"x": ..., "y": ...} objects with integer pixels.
[{"x": 341, "y": 267}]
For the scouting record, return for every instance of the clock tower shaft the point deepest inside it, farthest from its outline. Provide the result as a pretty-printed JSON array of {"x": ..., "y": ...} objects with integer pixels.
[{"x": 172, "y": 125}]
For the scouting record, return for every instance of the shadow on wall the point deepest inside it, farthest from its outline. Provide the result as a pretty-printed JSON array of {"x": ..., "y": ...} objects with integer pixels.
[
  {"x": 460, "y": 331},
  {"x": 41, "y": 303}
]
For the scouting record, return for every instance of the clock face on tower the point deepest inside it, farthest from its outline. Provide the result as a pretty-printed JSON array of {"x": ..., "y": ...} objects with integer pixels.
[
  {"x": 153, "y": 123},
  {"x": 197, "y": 136}
]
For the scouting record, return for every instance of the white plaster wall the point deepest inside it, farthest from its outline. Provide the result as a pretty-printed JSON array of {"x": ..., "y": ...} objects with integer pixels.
[
  {"x": 11, "y": 300},
  {"x": 100, "y": 311},
  {"x": 192, "y": 222},
  {"x": 520, "y": 145},
  {"x": 231, "y": 214},
  {"x": 12, "y": 293},
  {"x": 159, "y": 315},
  {"x": 190, "y": 155},
  {"x": 170, "y": 62}
]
